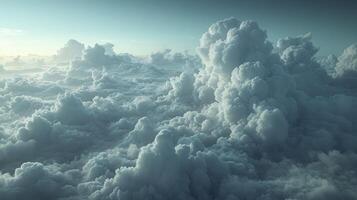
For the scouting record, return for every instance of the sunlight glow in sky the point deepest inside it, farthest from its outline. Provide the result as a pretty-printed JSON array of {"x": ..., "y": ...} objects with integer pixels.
[{"x": 140, "y": 27}]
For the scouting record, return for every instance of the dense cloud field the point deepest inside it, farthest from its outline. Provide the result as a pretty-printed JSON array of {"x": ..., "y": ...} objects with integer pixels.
[{"x": 242, "y": 119}]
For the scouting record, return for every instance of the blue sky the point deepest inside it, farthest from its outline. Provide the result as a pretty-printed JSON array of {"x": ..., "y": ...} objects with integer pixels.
[{"x": 140, "y": 27}]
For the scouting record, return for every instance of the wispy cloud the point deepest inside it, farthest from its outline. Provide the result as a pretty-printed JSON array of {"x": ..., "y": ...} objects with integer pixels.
[{"x": 11, "y": 32}]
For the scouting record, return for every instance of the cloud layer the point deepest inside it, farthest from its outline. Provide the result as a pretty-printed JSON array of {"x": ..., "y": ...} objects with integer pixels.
[{"x": 244, "y": 119}]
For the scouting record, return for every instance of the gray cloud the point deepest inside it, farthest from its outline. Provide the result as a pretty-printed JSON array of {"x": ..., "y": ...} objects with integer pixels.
[{"x": 249, "y": 120}]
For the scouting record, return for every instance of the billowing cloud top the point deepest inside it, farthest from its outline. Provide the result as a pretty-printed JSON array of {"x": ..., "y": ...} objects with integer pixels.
[
  {"x": 72, "y": 50},
  {"x": 245, "y": 120}
]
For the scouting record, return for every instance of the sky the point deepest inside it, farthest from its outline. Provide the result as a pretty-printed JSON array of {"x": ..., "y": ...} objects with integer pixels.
[{"x": 140, "y": 27}]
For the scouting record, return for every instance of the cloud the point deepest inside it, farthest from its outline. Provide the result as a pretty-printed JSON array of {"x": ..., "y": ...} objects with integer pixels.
[
  {"x": 29, "y": 62},
  {"x": 347, "y": 62},
  {"x": 36, "y": 181},
  {"x": 229, "y": 43},
  {"x": 73, "y": 50},
  {"x": 243, "y": 119},
  {"x": 11, "y": 32},
  {"x": 346, "y": 67},
  {"x": 176, "y": 60}
]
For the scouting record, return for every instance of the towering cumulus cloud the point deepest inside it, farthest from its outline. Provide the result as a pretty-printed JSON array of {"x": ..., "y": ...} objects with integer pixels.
[
  {"x": 71, "y": 51},
  {"x": 244, "y": 119}
]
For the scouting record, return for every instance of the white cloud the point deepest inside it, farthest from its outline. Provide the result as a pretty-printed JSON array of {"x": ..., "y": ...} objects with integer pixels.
[
  {"x": 11, "y": 32},
  {"x": 245, "y": 122},
  {"x": 73, "y": 50}
]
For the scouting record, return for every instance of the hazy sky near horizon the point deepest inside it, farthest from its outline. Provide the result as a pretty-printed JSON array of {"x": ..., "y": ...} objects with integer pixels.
[{"x": 140, "y": 27}]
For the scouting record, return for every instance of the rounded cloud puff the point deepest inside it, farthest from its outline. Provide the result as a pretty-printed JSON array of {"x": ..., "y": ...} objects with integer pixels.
[
  {"x": 36, "y": 181},
  {"x": 347, "y": 62},
  {"x": 73, "y": 50},
  {"x": 229, "y": 43}
]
